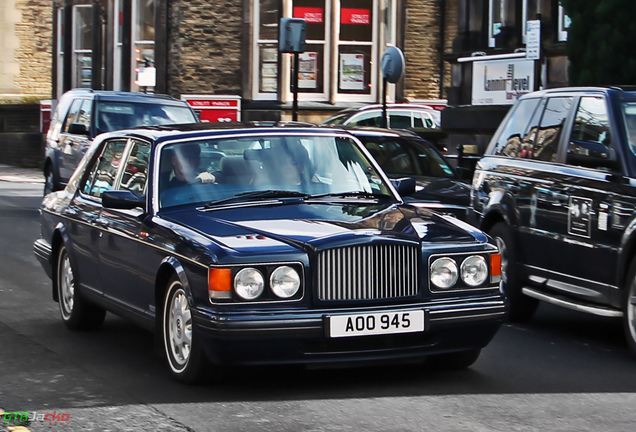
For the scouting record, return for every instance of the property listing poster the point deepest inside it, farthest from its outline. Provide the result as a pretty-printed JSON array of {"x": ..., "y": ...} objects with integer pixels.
[
  {"x": 308, "y": 70},
  {"x": 352, "y": 71}
]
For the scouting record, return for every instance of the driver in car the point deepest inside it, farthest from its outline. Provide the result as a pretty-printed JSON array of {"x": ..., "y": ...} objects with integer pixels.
[{"x": 185, "y": 166}]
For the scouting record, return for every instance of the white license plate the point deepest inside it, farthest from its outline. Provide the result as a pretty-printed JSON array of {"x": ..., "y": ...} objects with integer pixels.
[{"x": 376, "y": 323}]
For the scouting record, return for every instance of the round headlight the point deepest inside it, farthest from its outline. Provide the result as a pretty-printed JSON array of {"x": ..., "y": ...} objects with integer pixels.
[
  {"x": 474, "y": 270},
  {"x": 249, "y": 283},
  {"x": 444, "y": 273},
  {"x": 285, "y": 281}
]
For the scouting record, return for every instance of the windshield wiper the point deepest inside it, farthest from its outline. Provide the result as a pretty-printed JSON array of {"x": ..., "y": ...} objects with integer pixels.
[
  {"x": 270, "y": 193},
  {"x": 353, "y": 194}
]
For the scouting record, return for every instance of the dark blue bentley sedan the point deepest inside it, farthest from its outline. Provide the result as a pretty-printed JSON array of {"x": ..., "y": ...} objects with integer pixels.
[{"x": 261, "y": 245}]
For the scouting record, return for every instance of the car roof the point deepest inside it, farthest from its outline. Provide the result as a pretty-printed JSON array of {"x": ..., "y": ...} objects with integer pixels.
[
  {"x": 126, "y": 96},
  {"x": 160, "y": 133},
  {"x": 629, "y": 91}
]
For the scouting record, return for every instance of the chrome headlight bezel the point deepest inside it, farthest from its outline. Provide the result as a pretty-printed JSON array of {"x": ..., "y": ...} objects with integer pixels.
[
  {"x": 444, "y": 273},
  {"x": 465, "y": 263},
  {"x": 228, "y": 283}
]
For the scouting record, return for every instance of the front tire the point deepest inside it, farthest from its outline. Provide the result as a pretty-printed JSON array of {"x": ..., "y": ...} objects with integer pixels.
[
  {"x": 629, "y": 319},
  {"x": 49, "y": 181},
  {"x": 76, "y": 312},
  {"x": 185, "y": 356},
  {"x": 522, "y": 307}
]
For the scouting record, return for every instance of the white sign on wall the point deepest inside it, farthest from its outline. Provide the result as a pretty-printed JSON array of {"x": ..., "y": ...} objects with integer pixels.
[
  {"x": 501, "y": 82},
  {"x": 533, "y": 40}
]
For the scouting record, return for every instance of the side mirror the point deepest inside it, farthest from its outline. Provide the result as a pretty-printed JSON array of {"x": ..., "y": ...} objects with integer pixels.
[
  {"x": 78, "y": 129},
  {"x": 122, "y": 200},
  {"x": 405, "y": 186}
]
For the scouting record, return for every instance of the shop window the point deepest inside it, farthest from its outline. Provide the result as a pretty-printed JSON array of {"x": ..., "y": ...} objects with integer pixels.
[
  {"x": 564, "y": 23},
  {"x": 144, "y": 74},
  {"x": 82, "y": 46},
  {"x": 344, "y": 41}
]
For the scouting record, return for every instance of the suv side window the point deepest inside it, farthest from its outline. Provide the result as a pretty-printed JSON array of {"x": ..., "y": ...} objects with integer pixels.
[
  {"x": 550, "y": 129},
  {"x": 591, "y": 133},
  {"x": 72, "y": 114},
  {"x": 84, "y": 115},
  {"x": 516, "y": 130}
]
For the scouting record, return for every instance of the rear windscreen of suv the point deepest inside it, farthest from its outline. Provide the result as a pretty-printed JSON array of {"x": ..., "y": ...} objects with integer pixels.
[{"x": 112, "y": 116}]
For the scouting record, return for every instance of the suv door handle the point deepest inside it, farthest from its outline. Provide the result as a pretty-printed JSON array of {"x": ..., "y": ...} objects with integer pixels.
[{"x": 101, "y": 222}]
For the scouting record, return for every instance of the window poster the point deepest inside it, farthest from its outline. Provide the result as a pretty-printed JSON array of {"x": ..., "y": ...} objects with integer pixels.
[
  {"x": 307, "y": 70},
  {"x": 351, "y": 71}
]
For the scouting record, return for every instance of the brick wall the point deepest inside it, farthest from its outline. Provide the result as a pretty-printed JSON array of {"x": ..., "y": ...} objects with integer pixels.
[
  {"x": 207, "y": 49},
  {"x": 422, "y": 46},
  {"x": 26, "y": 65}
]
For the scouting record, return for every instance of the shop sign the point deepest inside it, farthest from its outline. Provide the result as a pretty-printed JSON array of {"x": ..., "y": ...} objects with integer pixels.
[
  {"x": 313, "y": 15},
  {"x": 501, "y": 82},
  {"x": 355, "y": 16},
  {"x": 215, "y": 108}
]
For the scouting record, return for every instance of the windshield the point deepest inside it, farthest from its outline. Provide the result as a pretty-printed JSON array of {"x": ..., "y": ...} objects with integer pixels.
[
  {"x": 206, "y": 171},
  {"x": 113, "y": 115},
  {"x": 405, "y": 157},
  {"x": 629, "y": 115}
]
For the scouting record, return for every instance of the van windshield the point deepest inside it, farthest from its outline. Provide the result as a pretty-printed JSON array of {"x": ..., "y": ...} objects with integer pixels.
[{"x": 113, "y": 115}]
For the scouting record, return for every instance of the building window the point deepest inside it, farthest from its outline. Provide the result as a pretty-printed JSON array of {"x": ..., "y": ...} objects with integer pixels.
[
  {"x": 564, "y": 23},
  {"x": 82, "y": 46},
  {"x": 59, "y": 49},
  {"x": 144, "y": 73},
  {"x": 344, "y": 42},
  {"x": 501, "y": 28},
  {"x": 118, "y": 31}
]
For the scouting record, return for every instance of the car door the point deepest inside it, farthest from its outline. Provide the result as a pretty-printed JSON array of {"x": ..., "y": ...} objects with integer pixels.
[
  {"x": 84, "y": 210},
  {"x": 120, "y": 240},
  {"x": 74, "y": 138},
  {"x": 545, "y": 203},
  {"x": 596, "y": 196}
]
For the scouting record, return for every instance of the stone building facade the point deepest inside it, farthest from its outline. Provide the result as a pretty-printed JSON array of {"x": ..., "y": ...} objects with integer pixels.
[
  {"x": 203, "y": 47},
  {"x": 25, "y": 41}
]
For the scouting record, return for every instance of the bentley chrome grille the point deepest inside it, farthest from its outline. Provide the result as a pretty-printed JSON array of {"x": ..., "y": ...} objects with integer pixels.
[{"x": 368, "y": 272}]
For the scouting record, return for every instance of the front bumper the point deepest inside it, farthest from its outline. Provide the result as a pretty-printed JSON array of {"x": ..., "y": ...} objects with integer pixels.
[
  {"x": 284, "y": 337},
  {"x": 43, "y": 250}
]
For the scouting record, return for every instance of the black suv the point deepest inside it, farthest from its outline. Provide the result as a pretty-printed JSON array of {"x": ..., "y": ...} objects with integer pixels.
[
  {"x": 81, "y": 114},
  {"x": 557, "y": 190}
]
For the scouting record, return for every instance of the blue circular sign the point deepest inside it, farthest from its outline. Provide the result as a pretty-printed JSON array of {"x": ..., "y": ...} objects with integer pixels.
[{"x": 392, "y": 64}]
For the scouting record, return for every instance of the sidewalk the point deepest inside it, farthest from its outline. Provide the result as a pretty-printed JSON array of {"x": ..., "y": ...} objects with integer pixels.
[{"x": 24, "y": 175}]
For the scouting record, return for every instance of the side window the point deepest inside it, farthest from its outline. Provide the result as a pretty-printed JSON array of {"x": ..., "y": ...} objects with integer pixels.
[
  {"x": 104, "y": 170},
  {"x": 550, "y": 129},
  {"x": 368, "y": 119},
  {"x": 136, "y": 168},
  {"x": 72, "y": 114},
  {"x": 518, "y": 130},
  {"x": 399, "y": 120},
  {"x": 591, "y": 132},
  {"x": 84, "y": 116},
  {"x": 422, "y": 120}
]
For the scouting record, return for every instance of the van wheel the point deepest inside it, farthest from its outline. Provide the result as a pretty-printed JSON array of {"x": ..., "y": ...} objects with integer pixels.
[
  {"x": 183, "y": 351},
  {"x": 77, "y": 313},
  {"x": 49, "y": 181},
  {"x": 629, "y": 319},
  {"x": 522, "y": 307}
]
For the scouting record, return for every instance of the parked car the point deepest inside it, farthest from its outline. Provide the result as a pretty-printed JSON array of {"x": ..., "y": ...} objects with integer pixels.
[
  {"x": 298, "y": 250},
  {"x": 557, "y": 190},
  {"x": 399, "y": 116},
  {"x": 439, "y": 185},
  {"x": 80, "y": 115}
]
